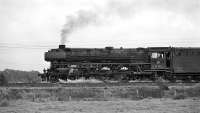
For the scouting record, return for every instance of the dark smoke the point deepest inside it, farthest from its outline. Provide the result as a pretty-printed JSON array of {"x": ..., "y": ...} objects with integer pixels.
[
  {"x": 125, "y": 9},
  {"x": 82, "y": 19}
]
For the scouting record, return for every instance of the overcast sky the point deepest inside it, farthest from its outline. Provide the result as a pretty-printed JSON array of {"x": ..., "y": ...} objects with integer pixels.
[{"x": 28, "y": 28}]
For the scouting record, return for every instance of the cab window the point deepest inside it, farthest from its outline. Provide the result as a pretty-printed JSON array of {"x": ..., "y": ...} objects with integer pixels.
[{"x": 156, "y": 55}]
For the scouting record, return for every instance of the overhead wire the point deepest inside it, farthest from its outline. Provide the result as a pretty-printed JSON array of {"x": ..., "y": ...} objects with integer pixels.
[
  {"x": 6, "y": 45},
  {"x": 26, "y": 46}
]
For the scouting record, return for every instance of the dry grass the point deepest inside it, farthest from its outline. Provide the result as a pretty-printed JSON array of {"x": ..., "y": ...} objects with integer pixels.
[
  {"x": 122, "y": 106},
  {"x": 109, "y": 93},
  {"x": 67, "y": 94}
]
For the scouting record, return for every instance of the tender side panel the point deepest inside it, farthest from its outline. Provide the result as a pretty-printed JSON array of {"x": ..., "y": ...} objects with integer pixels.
[{"x": 186, "y": 60}]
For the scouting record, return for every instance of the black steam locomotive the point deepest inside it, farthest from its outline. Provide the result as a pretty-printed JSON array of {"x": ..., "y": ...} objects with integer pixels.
[{"x": 123, "y": 64}]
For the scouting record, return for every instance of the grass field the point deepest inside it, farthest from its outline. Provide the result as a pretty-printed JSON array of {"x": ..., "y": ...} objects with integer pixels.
[
  {"x": 143, "y": 99},
  {"x": 122, "y": 106}
]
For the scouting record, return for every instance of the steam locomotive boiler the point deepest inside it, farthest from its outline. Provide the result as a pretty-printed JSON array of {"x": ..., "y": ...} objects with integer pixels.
[{"x": 122, "y": 64}]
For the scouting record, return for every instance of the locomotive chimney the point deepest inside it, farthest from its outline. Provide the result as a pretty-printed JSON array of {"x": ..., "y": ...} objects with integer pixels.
[{"x": 61, "y": 46}]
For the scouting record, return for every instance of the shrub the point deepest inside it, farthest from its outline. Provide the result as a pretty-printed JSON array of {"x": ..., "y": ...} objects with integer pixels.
[
  {"x": 3, "y": 80},
  {"x": 14, "y": 94},
  {"x": 193, "y": 91},
  {"x": 4, "y": 103},
  {"x": 17, "y": 76},
  {"x": 196, "y": 86},
  {"x": 62, "y": 94},
  {"x": 179, "y": 96},
  {"x": 161, "y": 84}
]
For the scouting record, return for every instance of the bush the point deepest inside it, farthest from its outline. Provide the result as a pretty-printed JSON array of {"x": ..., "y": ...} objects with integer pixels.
[
  {"x": 3, "y": 80},
  {"x": 14, "y": 94},
  {"x": 4, "y": 103},
  {"x": 196, "y": 86},
  {"x": 62, "y": 95},
  {"x": 17, "y": 76},
  {"x": 161, "y": 84},
  {"x": 179, "y": 96},
  {"x": 193, "y": 91}
]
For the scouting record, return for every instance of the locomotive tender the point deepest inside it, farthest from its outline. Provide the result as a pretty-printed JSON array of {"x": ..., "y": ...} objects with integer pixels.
[{"x": 123, "y": 64}]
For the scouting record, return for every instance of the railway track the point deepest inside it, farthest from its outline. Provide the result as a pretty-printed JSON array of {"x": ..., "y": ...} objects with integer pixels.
[{"x": 95, "y": 84}]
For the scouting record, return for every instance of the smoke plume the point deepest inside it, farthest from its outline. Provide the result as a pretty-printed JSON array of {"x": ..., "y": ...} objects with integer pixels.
[
  {"x": 125, "y": 9},
  {"x": 74, "y": 22},
  {"x": 84, "y": 18}
]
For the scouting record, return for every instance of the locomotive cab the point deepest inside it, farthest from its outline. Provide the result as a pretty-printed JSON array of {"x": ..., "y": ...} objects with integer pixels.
[{"x": 160, "y": 59}]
